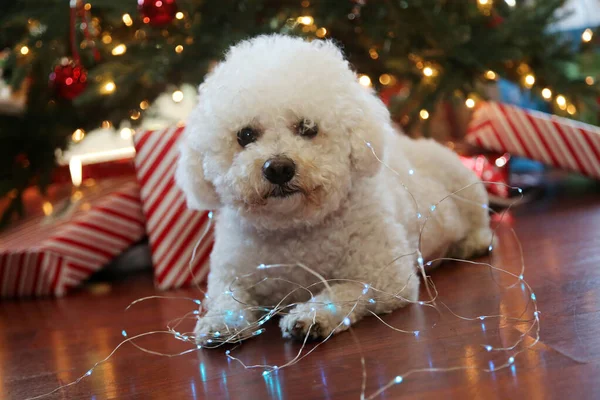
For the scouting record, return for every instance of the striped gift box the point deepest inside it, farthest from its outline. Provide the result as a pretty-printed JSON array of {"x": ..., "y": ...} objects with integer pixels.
[
  {"x": 555, "y": 141},
  {"x": 173, "y": 230},
  {"x": 50, "y": 255}
]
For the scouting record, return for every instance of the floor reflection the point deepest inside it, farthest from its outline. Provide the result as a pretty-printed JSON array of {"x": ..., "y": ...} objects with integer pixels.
[
  {"x": 273, "y": 385},
  {"x": 323, "y": 375},
  {"x": 193, "y": 389}
]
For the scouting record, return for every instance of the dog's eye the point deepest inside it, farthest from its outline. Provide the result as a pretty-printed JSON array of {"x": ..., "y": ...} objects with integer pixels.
[
  {"x": 307, "y": 128},
  {"x": 246, "y": 136}
]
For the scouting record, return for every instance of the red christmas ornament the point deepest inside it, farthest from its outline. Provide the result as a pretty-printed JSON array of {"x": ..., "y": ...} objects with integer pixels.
[
  {"x": 495, "y": 20},
  {"x": 157, "y": 12},
  {"x": 399, "y": 89},
  {"x": 69, "y": 79}
]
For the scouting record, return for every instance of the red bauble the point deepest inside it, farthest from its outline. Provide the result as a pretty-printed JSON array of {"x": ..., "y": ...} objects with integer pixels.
[
  {"x": 495, "y": 21},
  {"x": 399, "y": 90},
  {"x": 157, "y": 12},
  {"x": 69, "y": 79}
]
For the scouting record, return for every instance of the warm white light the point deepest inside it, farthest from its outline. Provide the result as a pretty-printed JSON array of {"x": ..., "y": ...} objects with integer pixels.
[
  {"x": 178, "y": 48},
  {"x": 126, "y": 133},
  {"x": 491, "y": 75},
  {"x": 177, "y": 96},
  {"x": 529, "y": 80},
  {"x": 424, "y": 114},
  {"x": 547, "y": 93},
  {"x": 78, "y": 135},
  {"x": 119, "y": 50},
  {"x": 385, "y": 79},
  {"x": 306, "y": 20},
  {"x": 179, "y": 15},
  {"x": 590, "y": 80},
  {"x": 47, "y": 208},
  {"x": 587, "y": 35},
  {"x": 109, "y": 87},
  {"x": 127, "y": 19},
  {"x": 484, "y": 2},
  {"x": 321, "y": 32},
  {"x": 501, "y": 161},
  {"x": 24, "y": 50},
  {"x": 76, "y": 170},
  {"x": 571, "y": 109},
  {"x": 364, "y": 80},
  {"x": 428, "y": 71},
  {"x": 135, "y": 115},
  {"x": 511, "y": 3},
  {"x": 561, "y": 101},
  {"x": 470, "y": 103}
]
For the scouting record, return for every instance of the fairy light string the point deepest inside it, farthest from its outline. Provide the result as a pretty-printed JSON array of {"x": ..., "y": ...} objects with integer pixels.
[{"x": 238, "y": 328}]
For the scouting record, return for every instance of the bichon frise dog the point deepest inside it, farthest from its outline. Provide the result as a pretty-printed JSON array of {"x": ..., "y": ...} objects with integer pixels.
[{"x": 304, "y": 167}]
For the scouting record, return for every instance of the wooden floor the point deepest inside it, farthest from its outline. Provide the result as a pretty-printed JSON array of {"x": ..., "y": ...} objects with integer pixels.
[{"x": 46, "y": 343}]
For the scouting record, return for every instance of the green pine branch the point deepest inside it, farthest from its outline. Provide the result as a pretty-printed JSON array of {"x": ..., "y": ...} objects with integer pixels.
[{"x": 458, "y": 39}]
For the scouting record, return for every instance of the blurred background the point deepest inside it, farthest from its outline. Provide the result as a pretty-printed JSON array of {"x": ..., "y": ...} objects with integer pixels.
[
  {"x": 94, "y": 95},
  {"x": 80, "y": 79}
]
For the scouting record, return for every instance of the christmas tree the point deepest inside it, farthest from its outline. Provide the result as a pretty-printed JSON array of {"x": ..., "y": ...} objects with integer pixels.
[{"x": 81, "y": 65}]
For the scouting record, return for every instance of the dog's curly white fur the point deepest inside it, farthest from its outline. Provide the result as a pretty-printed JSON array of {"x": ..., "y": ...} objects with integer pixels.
[{"x": 349, "y": 218}]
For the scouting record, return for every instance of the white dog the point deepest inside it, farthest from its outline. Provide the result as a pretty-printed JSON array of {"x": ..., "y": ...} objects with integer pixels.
[{"x": 304, "y": 167}]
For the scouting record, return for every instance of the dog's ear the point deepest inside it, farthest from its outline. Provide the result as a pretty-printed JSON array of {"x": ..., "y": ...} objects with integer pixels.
[
  {"x": 367, "y": 137},
  {"x": 200, "y": 194}
]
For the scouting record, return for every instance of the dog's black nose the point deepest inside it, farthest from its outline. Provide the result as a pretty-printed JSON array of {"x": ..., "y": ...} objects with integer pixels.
[{"x": 279, "y": 170}]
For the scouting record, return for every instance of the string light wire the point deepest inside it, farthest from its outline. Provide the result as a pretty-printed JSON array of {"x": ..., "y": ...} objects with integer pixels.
[{"x": 236, "y": 334}]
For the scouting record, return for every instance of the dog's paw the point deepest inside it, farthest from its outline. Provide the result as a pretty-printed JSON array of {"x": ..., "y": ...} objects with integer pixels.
[
  {"x": 210, "y": 330},
  {"x": 316, "y": 323},
  {"x": 474, "y": 245},
  {"x": 213, "y": 329}
]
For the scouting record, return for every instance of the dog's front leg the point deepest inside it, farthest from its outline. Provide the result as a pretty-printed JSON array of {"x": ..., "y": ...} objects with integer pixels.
[
  {"x": 330, "y": 311},
  {"x": 230, "y": 312},
  {"x": 375, "y": 281},
  {"x": 334, "y": 310}
]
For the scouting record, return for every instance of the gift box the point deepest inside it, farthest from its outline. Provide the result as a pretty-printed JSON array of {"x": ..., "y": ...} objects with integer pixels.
[
  {"x": 173, "y": 230},
  {"x": 555, "y": 141},
  {"x": 491, "y": 169},
  {"x": 101, "y": 170},
  {"x": 103, "y": 153},
  {"x": 50, "y": 254}
]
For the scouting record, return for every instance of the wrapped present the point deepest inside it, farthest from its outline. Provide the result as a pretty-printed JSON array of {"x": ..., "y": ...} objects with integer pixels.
[
  {"x": 173, "y": 230},
  {"x": 555, "y": 141},
  {"x": 103, "y": 153},
  {"x": 492, "y": 169},
  {"x": 49, "y": 254},
  {"x": 100, "y": 170}
]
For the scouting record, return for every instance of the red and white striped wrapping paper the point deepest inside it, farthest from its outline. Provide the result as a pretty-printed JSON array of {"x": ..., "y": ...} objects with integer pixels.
[
  {"x": 173, "y": 230},
  {"x": 556, "y": 141},
  {"x": 40, "y": 256}
]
